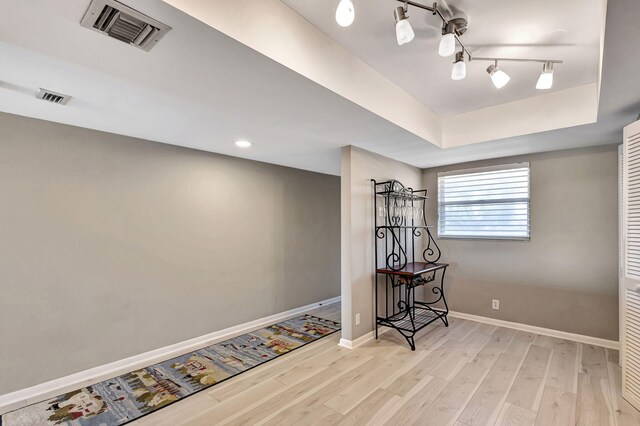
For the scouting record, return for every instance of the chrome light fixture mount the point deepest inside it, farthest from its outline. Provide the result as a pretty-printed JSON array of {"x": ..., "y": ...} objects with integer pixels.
[
  {"x": 456, "y": 25},
  {"x": 400, "y": 13}
]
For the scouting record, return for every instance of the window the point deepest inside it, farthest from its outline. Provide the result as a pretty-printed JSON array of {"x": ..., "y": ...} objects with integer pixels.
[{"x": 489, "y": 202}]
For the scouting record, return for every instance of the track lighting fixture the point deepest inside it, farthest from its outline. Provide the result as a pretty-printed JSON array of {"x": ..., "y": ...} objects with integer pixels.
[
  {"x": 498, "y": 77},
  {"x": 452, "y": 31},
  {"x": 459, "y": 70},
  {"x": 545, "y": 81},
  {"x": 345, "y": 13},
  {"x": 404, "y": 32}
]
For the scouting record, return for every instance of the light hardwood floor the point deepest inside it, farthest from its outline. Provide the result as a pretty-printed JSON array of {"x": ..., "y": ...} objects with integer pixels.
[{"x": 467, "y": 374}]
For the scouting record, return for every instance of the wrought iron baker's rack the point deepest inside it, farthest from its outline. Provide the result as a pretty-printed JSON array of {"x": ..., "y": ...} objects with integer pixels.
[{"x": 406, "y": 258}]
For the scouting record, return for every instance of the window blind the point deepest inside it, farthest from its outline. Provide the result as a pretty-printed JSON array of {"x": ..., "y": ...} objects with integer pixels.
[{"x": 491, "y": 203}]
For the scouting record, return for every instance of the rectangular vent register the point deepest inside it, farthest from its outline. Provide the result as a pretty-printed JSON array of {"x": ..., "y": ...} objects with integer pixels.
[{"x": 123, "y": 23}]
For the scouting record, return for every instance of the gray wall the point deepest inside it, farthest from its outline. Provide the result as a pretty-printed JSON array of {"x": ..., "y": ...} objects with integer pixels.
[
  {"x": 566, "y": 277},
  {"x": 357, "y": 169},
  {"x": 113, "y": 246}
]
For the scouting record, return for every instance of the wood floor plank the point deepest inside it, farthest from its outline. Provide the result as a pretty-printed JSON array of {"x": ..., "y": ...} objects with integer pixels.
[
  {"x": 593, "y": 406},
  {"x": 240, "y": 402},
  {"x": 513, "y": 415},
  {"x": 558, "y": 408},
  {"x": 402, "y": 384},
  {"x": 412, "y": 406},
  {"x": 546, "y": 341},
  {"x": 613, "y": 356},
  {"x": 320, "y": 416},
  {"x": 324, "y": 392},
  {"x": 454, "y": 397},
  {"x": 385, "y": 411},
  {"x": 527, "y": 389},
  {"x": 275, "y": 403},
  {"x": 458, "y": 354},
  {"x": 432, "y": 339},
  {"x": 486, "y": 329},
  {"x": 461, "y": 328},
  {"x": 593, "y": 361},
  {"x": 347, "y": 398},
  {"x": 369, "y": 408},
  {"x": 485, "y": 405},
  {"x": 496, "y": 345},
  {"x": 337, "y": 357},
  {"x": 520, "y": 343},
  {"x": 437, "y": 360},
  {"x": 563, "y": 371}
]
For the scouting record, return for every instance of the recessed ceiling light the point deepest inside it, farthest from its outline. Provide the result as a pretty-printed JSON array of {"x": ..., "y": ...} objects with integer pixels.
[{"x": 243, "y": 144}]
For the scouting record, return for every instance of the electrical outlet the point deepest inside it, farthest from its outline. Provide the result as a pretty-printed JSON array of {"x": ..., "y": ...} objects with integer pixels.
[
  {"x": 357, "y": 319},
  {"x": 495, "y": 304}
]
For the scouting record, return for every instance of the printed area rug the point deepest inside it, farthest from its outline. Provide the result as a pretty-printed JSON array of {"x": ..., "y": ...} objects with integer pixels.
[{"x": 128, "y": 397}]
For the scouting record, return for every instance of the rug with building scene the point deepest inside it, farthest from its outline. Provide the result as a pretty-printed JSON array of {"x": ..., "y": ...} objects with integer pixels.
[{"x": 130, "y": 396}]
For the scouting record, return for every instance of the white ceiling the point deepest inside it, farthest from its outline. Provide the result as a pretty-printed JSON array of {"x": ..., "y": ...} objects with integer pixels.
[
  {"x": 202, "y": 89},
  {"x": 568, "y": 30}
]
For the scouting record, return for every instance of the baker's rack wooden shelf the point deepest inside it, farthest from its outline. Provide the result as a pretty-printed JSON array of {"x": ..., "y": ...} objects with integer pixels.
[{"x": 406, "y": 258}]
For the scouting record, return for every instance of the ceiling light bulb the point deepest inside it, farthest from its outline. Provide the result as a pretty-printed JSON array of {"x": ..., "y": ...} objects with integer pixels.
[
  {"x": 243, "y": 144},
  {"x": 459, "y": 70},
  {"x": 404, "y": 32},
  {"x": 447, "y": 45},
  {"x": 345, "y": 13},
  {"x": 498, "y": 77},
  {"x": 546, "y": 77}
]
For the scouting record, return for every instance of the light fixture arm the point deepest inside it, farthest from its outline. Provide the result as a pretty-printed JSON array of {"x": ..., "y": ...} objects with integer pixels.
[
  {"x": 434, "y": 9},
  {"x": 464, "y": 48},
  {"x": 552, "y": 61}
]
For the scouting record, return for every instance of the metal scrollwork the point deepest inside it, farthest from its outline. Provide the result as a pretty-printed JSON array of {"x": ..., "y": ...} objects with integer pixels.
[{"x": 406, "y": 254}]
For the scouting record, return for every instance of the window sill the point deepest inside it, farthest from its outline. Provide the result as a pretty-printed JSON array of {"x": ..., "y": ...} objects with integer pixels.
[{"x": 516, "y": 239}]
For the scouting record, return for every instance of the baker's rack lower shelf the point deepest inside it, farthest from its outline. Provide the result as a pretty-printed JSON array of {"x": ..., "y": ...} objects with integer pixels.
[
  {"x": 413, "y": 320},
  {"x": 408, "y": 315}
]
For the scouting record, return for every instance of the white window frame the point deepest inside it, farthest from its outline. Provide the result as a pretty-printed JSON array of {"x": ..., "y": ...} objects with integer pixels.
[{"x": 483, "y": 170}]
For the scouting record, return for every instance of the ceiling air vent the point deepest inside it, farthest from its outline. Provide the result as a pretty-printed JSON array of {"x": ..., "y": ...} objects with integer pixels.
[
  {"x": 53, "y": 97},
  {"x": 118, "y": 21}
]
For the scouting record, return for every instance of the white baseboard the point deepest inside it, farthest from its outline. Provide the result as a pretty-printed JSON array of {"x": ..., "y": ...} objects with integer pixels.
[
  {"x": 350, "y": 344},
  {"x": 44, "y": 391},
  {"x": 580, "y": 338}
]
